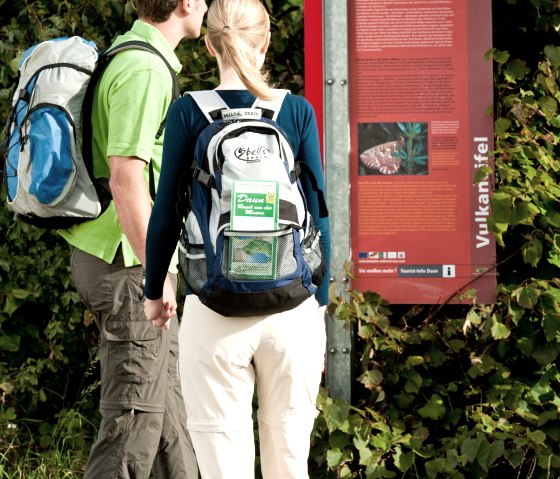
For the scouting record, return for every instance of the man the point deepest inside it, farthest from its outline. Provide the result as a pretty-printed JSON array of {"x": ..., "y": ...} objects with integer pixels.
[{"x": 143, "y": 415}]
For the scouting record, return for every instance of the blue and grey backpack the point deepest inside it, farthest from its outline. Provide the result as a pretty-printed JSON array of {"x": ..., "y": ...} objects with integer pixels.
[
  {"x": 48, "y": 166},
  {"x": 249, "y": 245}
]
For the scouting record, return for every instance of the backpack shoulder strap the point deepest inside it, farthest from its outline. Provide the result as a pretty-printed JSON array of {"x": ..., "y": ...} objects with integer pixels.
[
  {"x": 271, "y": 107},
  {"x": 209, "y": 102},
  {"x": 104, "y": 59},
  {"x": 140, "y": 45}
]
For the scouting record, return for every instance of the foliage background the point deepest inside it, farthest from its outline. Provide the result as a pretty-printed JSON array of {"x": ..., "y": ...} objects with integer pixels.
[{"x": 455, "y": 391}]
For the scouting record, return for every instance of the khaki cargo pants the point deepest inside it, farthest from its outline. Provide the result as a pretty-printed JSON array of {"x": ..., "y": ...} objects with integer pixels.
[{"x": 143, "y": 425}]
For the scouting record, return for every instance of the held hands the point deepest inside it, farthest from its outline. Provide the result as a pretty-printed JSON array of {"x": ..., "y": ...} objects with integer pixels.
[{"x": 160, "y": 311}]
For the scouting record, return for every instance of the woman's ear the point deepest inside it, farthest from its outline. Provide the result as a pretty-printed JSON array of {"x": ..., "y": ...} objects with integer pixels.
[
  {"x": 266, "y": 43},
  {"x": 209, "y": 46}
]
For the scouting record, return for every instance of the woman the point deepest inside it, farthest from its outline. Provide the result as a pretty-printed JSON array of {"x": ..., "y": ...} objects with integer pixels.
[{"x": 222, "y": 358}]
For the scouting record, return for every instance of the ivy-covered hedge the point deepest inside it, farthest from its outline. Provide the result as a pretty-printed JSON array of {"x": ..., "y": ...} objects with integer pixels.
[
  {"x": 470, "y": 391},
  {"x": 456, "y": 391}
]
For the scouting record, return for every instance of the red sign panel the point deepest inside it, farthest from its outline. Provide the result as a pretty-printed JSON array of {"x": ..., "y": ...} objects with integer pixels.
[{"x": 420, "y": 90}]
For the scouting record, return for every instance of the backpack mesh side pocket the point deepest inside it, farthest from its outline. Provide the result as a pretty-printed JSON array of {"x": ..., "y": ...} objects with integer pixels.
[
  {"x": 192, "y": 262},
  {"x": 313, "y": 255}
]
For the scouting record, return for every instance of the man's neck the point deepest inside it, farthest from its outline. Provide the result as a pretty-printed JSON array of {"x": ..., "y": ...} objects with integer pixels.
[{"x": 167, "y": 30}]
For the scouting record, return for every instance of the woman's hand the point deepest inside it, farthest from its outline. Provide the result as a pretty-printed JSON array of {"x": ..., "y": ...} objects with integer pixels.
[{"x": 160, "y": 311}]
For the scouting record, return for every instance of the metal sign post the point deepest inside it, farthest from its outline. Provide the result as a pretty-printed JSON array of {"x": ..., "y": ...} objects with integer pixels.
[{"x": 336, "y": 134}]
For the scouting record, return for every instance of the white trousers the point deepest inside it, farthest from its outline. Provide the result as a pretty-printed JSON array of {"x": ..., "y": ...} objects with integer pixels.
[{"x": 221, "y": 358}]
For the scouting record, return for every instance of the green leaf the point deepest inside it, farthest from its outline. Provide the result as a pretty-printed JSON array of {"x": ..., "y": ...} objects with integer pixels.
[
  {"x": 546, "y": 353},
  {"x": 483, "y": 453},
  {"x": 549, "y": 106},
  {"x": 547, "y": 416},
  {"x": 523, "y": 213},
  {"x": 437, "y": 466},
  {"x": 381, "y": 441},
  {"x": 412, "y": 361},
  {"x": 516, "y": 70},
  {"x": 404, "y": 400},
  {"x": 553, "y": 54},
  {"x": 487, "y": 455},
  {"x": 21, "y": 293},
  {"x": 532, "y": 251},
  {"x": 10, "y": 343},
  {"x": 413, "y": 380},
  {"x": 339, "y": 440},
  {"x": 371, "y": 379},
  {"x": 469, "y": 449},
  {"x": 501, "y": 204},
  {"x": 527, "y": 296},
  {"x": 11, "y": 304},
  {"x": 403, "y": 461},
  {"x": 366, "y": 331},
  {"x": 551, "y": 326},
  {"x": 500, "y": 57},
  {"x": 550, "y": 300},
  {"x": 499, "y": 330},
  {"x": 515, "y": 457},
  {"x": 9, "y": 414},
  {"x": 501, "y": 126},
  {"x": 334, "y": 458},
  {"x": 482, "y": 173},
  {"x": 537, "y": 436},
  {"x": 336, "y": 414},
  {"x": 497, "y": 229},
  {"x": 433, "y": 409}
]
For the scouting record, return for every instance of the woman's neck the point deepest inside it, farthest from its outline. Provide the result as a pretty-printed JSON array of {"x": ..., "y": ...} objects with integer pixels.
[{"x": 229, "y": 80}]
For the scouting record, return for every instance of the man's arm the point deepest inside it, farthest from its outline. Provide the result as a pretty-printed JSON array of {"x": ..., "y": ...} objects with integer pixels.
[
  {"x": 133, "y": 205},
  {"x": 132, "y": 200}
]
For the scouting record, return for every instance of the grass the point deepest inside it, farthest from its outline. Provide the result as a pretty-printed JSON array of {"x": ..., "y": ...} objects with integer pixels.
[
  {"x": 20, "y": 462},
  {"x": 32, "y": 450}
]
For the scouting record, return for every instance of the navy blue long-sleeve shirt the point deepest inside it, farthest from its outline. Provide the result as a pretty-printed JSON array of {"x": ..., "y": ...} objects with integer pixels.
[{"x": 185, "y": 121}]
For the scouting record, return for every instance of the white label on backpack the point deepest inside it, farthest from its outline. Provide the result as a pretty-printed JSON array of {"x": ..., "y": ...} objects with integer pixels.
[
  {"x": 254, "y": 205},
  {"x": 241, "y": 114}
]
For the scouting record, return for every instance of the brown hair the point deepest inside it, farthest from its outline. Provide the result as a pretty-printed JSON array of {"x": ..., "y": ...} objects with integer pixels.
[
  {"x": 157, "y": 11},
  {"x": 235, "y": 28}
]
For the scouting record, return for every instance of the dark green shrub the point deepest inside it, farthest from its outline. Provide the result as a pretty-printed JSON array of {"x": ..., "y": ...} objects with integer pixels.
[{"x": 48, "y": 370}]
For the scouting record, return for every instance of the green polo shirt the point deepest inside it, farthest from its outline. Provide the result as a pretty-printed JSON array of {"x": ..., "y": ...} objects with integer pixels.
[{"x": 129, "y": 105}]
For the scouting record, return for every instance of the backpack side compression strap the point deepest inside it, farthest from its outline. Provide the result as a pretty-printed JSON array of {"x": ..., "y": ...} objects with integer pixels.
[
  {"x": 300, "y": 167},
  {"x": 87, "y": 138}
]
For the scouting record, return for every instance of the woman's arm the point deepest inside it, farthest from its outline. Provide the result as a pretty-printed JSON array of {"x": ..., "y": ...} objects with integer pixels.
[
  {"x": 164, "y": 226},
  {"x": 309, "y": 153}
]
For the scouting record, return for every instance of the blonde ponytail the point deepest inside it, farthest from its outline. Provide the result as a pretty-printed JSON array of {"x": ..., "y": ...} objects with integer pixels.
[{"x": 235, "y": 29}]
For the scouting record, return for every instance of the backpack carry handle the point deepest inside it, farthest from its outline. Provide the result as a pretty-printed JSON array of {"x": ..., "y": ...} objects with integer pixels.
[{"x": 211, "y": 104}]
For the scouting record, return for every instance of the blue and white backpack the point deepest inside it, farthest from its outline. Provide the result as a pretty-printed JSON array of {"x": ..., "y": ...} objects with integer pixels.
[
  {"x": 249, "y": 245},
  {"x": 48, "y": 166}
]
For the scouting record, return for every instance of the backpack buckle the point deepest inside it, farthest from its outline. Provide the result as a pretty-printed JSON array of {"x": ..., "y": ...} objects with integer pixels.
[
  {"x": 294, "y": 174},
  {"x": 23, "y": 94},
  {"x": 205, "y": 178}
]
